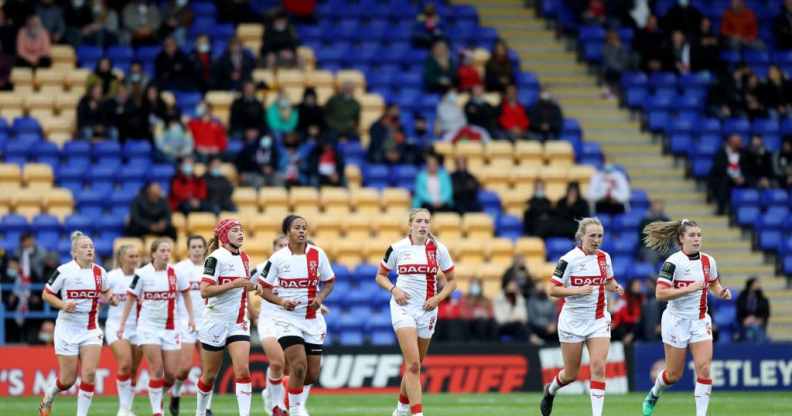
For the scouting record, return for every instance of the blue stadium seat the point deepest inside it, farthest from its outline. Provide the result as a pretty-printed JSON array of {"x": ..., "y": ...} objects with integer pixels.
[
  {"x": 656, "y": 121},
  {"x": 77, "y": 148},
  {"x": 377, "y": 176},
  {"x": 746, "y": 216},
  {"x": 634, "y": 97},
  {"x": 509, "y": 226},
  {"x": 351, "y": 338},
  {"x": 79, "y": 222},
  {"x": 92, "y": 198},
  {"x": 47, "y": 223},
  {"x": 642, "y": 270},
  {"x": 383, "y": 338},
  {"x": 774, "y": 197},
  {"x": 137, "y": 149},
  {"x": 639, "y": 200},
  {"x": 489, "y": 200},
  {"x": 21, "y": 148},
  {"x": 87, "y": 53},
  {"x": 367, "y": 272},
  {"x": 106, "y": 149},
  {"x": 161, "y": 173},
  {"x": 404, "y": 176},
  {"x": 556, "y": 247},
  {"x": 680, "y": 144},
  {"x": 147, "y": 53},
  {"x": 764, "y": 127},
  {"x": 201, "y": 9},
  {"x": 13, "y": 224},
  {"x": 25, "y": 125},
  {"x": 701, "y": 166},
  {"x": 739, "y": 125},
  {"x": 120, "y": 54},
  {"x": 660, "y": 80}
]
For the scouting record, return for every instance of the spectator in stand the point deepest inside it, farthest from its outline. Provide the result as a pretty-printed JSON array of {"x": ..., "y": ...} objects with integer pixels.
[
  {"x": 51, "y": 15},
  {"x": 247, "y": 112},
  {"x": 118, "y": 111},
  {"x": 479, "y": 112},
  {"x": 188, "y": 190},
  {"x": 33, "y": 45},
  {"x": 656, "y": 213},
  {"x": 202, "y": 63},
  {"x": 727, "y": 172},
  {"x": 7, "y": 51},
  {"x": 309, "y": 112},
  {"x": 77, "y": 16},
  {"x": 326, "y": 164},
  {"x": 302, "y": 10},
  {"x": 650, "y": 43},
  {"x": 209, "y": 134},
  {"x": 609, "y": 191},
  {"x": 428, "y": 28},
  {"x": 150, "y": 214},
  {"x": 282, "y": 117},
  {"x": 758, "y": 166},
  {"x": 104, "y": 76},
  {"x": 740, "y": 27},
  {"x": 728, "y": 98},
  {"x": 218, "y": 188},
  {"x": 518, "y": 272},
  {"x": 680, "y": 53},
  {"x": 569, "y": 209},
  {"x": 259, "y": 161},
  {"x": 172, "y": 68},
  {"x": 280, "y": 42},
  {"x": 439, "y": 71},
  {"x": 776, "y": 92},
  {"x": 423, "y": 137},
  {"x": 467, "y": 75},
  {"x": 477, "y": 310},
  {"x": 31, "y": 257},
  {"x": 539, "y": 211},
  {"x": 627, "y": 313},
  {"x": 511, "y": 314},
  {"x": 90, "y": 118},
  {"x": 153, "y": 110},
  {"x": 594, "y": 12},
  {"x": 142, "y": 22},
  {"x": 386, "y": 138},
  {"x": 499, "y": 71},
  {"x": 342, "y": 113},
  {"x": 615, "y": 60},
  {"x": 466, "y": 187},
  {"x": 104, "y": 27},
  {"x": 433, "y": 188},
  {"x": 173, "y": 141},
  {"x": 177, "y": 16},
  {"x": 293, "y": 160},
  {"x": 546, "y": 117},
  {"x": 754, "y": 106},
  {"x": 513, "y": 119},
  {"x": 542, "y": 317},
  {"x": 782, "y": 26},
  {"x": 705, "y": 50},
  {"x": 683, "y": 17},
  {"x": 753, "y": 312},
  {"x": 782, "y": 162},
  {"x": 234, "y": 67},
  {"x": 136, "y": 79}
]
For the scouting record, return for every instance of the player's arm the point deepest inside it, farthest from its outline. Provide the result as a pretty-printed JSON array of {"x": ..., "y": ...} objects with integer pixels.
[
  {"x": 719, "y": 290},
  {"x": 558, "y": 289},
  {"x": 210, "y": 286},
  {"x": 327, "y": 287},
  {"x": 50, "y": 293},
  {"x": 665, "y": 289},
  {"x": 271, "y": 297},
  {"x": 135, "y": 289},
  {"x": 613, "y": 286}
]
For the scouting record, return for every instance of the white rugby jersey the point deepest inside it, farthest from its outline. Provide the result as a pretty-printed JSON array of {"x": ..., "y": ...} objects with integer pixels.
[
  {"x": 575, "y": 268},
  {"x": 82, "y": 286},
  {"x": 258, "y": 275},
  {"x": 417, "y": 267},
  {"x": 192, "y": 273},
  {"x": 222, "y": 267},
  {"x": 680, "y": 270},
  {"x": 297, "y": 277},
  {"x": 156, "y": 291},
  {"x": 118, "y": 284}
]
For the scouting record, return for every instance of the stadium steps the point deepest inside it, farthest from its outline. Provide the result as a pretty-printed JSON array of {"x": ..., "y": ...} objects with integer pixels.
[{"x": 625, "y": 144}]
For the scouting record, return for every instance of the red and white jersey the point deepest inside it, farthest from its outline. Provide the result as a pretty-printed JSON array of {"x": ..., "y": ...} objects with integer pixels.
[
  {"x": 576, "y": 268},
  {"x": 267, "y": 308},
  {"x": 223, "y": 266},
  {"x": 680, "y": 270},
  {"x": 82, "y": 286},
  {"x": 192, "y": 273},
  {"x": 118, "y": 283},
  {"x": 297, "y": 277},
  {"x": 417, "y": 267},
  {"x": 156, "y": 291}
]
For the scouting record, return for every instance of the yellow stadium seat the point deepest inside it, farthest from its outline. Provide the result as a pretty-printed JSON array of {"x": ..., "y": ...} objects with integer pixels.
[
  {"x": 353, "y": 176},
  {"x": 374, "y": 251},
  {"x": 388, "y": 226},
  {"x": 356, "y": 227},
  {"x": 365, "y": 201},
  {"x": 326, "y": 226},
  {"x": 495, "y": 176},
  {"x": 529, "y": 152},
  {"x": 447, "y": 225},
  {"x": 445, "y": 149},
  {"x": 63, "y": 55},
  {"x": 580, "y": 173},
  {"x": 290, "y": 78},
  {"x": 10, "y": 174},
  {"x": 37, "y": 173},
  {"x": 500, "y": 153},
  {"x": 500, "y": 250},
  {"x": 201, "y": 223},
  {"x": 11, "y": 113},
  {"x": 76, "y": 78},
  {"x": 470, "y": 251},
  {"x": 250, "y": 31},
  {"x": 60, "y": 212},
  {"x": 252, "y": 45},
  {"x": 245, "y": 198},
  {"x": 349, "y": 253},
  {"x": 11, "y": 99},
  {"x": 372, "y": 102},
  {"x": 220, "y": 99},
  {"x": 22, "y": 77},
  {"x": 478, "y": 226},
  {"x": 28, "y": 211},
  {"x": 50, "y": 77},
  {"x": 4, "y": 210},
  {"x": 7, "y": 197},
  {"x": 466, "y": 271},
  {"x": 395, "y": 199},
  {"x": 553, "y": 174},
  {"x": 559, "y": 152},
  {"x": 52, "y": 90},
  {"x": 266, "y": 225},
  {"x": 40, "y": 102},
  {"x": 470, "y": 150},
  {"x": 136, "y": 242},
  {"x": 259, "y": 249},
  {"x": 334, "y": 200},
  {"x": 530, "y": 247},
  {"x": 480, "y": 56},
  {"x": 524, "y": 175},
  {"x": 67, "y": 101},
  {"x": 352, "y": 76},
  {"x": 319, "y": 78},
  {"x": 306, "y": 55},
  {"x": 513, "y": 203},
  {"x": 273, "y": 198},
  {"x": 300, "y": 197},
  {"x": 179, "y": 221},
  {"x": 266, "y": 76}
]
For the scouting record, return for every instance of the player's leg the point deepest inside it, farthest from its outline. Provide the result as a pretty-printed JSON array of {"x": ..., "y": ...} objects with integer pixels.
[
  {"x": 313, "y": 354},
  {"x": 675, "y": 366},
  {"x": 183, "y": 366},
  {"x": 598, "y": 358},
  {"x": 89, "y": 360},
  {"x": 137, "y": 357},
  {"x": 153, "y": 354},
  {"x": 171, "y": 359},
  {"x": 404, "y": 401},
  {"x": 571, "y": 353},
  {"x": 274, "y": 393},
  {"x": 122, "y": 352},
  {"x": 408, "y": 342},
  {"x": 702, "y": 358},
  {"x": 239, "y": 350},
  {"x": 294, "y": 349},
  {"x": 211, "y": 360},
  {"x": 67, "y": 374}
]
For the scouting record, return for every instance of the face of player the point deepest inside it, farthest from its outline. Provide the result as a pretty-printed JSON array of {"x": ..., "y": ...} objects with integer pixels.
[
  {"x": 280, "y": 243},
  {"x": 83, "y": 251},
  {"x": 196, "y": 249},
  {"x": 592, "y": 238},
  {"x": 236, "y": 236},
  {"x": 690, "y": 240},
  {"x": 130, "y": 260},
  {"x": 298, "y": 232},
  {"x": 162, "y": 255},
  {"x": 420, "y": 225}
]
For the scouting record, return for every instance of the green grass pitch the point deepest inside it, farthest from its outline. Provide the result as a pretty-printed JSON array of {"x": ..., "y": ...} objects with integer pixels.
[{"x": 671, "y": 404}]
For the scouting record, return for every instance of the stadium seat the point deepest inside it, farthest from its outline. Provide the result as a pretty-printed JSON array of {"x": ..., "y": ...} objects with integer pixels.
[{"x": 273, "y": 199}]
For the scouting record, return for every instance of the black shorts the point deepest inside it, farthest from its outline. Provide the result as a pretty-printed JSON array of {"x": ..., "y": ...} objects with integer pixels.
[{"x": 310, "y": 349}]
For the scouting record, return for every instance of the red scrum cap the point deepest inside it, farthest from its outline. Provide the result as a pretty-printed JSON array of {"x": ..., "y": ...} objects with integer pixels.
[{"x": 222, "y": 228}]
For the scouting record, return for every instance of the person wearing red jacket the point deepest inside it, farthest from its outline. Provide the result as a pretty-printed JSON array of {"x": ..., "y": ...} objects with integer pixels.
[
  {"x": 513, "y": 119},
  {"x": 188, "y": 191},
  {"x": 740, "y": 26},
  {"x": 209, "y": 134}
]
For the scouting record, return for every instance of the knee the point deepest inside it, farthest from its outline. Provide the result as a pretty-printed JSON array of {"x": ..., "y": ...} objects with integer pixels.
[
  {"x": 413, "y": 367},
  {"x": 297, "y": 369},
  {"x": 597, "y": 368},
  {"x": 124, "y": 368},
  {"x": 703, "y": 370},
  {"x": 88, "y": 377},
  {"x": 313, "y": 375},
  {"x": 241, "y": 372},
  {"x": 671, "y": 376},
  {"x": 570, "y": 374},
  {"x": 65, "y": 382},
  {"x": 208, "y": 378},
  {"x": 276, "y": 366}
]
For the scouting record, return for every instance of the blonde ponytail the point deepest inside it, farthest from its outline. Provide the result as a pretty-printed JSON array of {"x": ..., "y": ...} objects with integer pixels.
[{"x": 663, "y": 236}]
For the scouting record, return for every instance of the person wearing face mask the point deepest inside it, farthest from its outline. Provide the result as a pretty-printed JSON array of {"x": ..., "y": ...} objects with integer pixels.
[
  {"x": 466, "y": 188},
  {"x": 172, "y": 68},
  {"x": 479, "y": 112},
  {"x": 258, "y": 163},
  {"x": 150, "y": 214},
  {"x": 173, "y": 140},
  {"x": 759, "y": 164},
  {"x": 510, "y": 313},
  {"x": 203, "y": 63},
  {"x": 547, "y": 119},
  {"x": 539, "y": 211},
  {"x": 280, "y": 42},
  {"x": 33, "y": 45},
  {"x": 104, "y": 28},
  {"x": 513, "y": 120},
  {"x": 282, "y": 117},
  {"x": 326, "y": 164},
  {"x": 753, "y": 312},
  {"x": 310, "y": 113},
  {"x": 234, "y": 67},
  {"x": 451, "y": 124},
  {"x": 627, "y": 313},
  {"x": 218, "y": 188},
  {"x": 683, "y": 17},
  {"x": 142, "y": 21},
  {"x": 136, "y": 78},
  {"x": 209, "y": 134},
  {"x": 609, "y": 191},
  {"x": 477, "y": 310},
  {"x": 177, "y": 17},
  {"x": 439, "y": 71},
  {"x": 104, "y": 76},
  {"x": 188, "y": 191}
]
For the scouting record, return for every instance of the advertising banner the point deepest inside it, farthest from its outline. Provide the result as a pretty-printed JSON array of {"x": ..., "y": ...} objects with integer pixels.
[
  {"x": 750, "y": 367},
  {"x": 615, "y": 370}
]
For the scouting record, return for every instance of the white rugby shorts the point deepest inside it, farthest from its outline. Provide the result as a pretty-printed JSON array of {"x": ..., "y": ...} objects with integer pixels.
[
  {"x": 679, "y": 332},
  {"x": 312, "y": 331},
  {"x": 68, "y": 338},
  {"x": 574, "y": 330},
  {"x": 111, "y": 333},
  {"x": 215, "y": 333},
  {"x": 167, "y": 339},
  {"x": 403, "y": 316}
]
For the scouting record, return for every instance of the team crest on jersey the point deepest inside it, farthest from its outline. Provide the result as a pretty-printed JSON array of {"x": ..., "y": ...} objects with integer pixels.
[
  {"x": 226, "y": 268},
  {"x": 285, "y": 268},
  {"x": 313, "y": 266}
]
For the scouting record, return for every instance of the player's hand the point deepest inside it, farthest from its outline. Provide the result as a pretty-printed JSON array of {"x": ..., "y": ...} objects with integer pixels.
[
  {"x": 191, "y": 326},
  {"x": 114, "y": 300},
  {"x": 400, "y": 296},
  {"x": 725, "y": 294},
  {"x": 431, "y": 303},
  {"x": 324, "y": 310},
  {"x": 315, "y": 304},
  {"x": 585, "y": 290},
  {"x": 618, "y": 289},
  {"x": 694, "y": 287},
  {"x": 69, "y": 307},
  {"x": 288, "y": 304},
  {"x": 120, "y": 332}
]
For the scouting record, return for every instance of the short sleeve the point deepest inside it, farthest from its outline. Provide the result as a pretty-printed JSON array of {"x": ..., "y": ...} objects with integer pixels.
[
  {"x": 666, "y": 275},
  {"x": 255, "y": 275},
  {"x": 210, "y": 271},
  {"x": 389, "y": 259},
  {"x": 713, "y": 270},
  {"x": 182, "y": 281},
  {"x": 269, "y": 276},
  {"x": 136, "y": 287},
  {"x": 561, "y": 273},
  {"x": 54, "y": 283},
  {"x": 325, "y": 270},
  {"x": 444, "y": 259},
  {"x": 609, "y": 264},
  {"x": 105, "y": 281}
]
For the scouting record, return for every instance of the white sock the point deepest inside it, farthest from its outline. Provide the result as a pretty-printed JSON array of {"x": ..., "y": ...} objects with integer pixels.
[
  {"x": 243, "y": 392},
  {"x": 295, "y": 394},
  {"x": 204, "y": 397},
  {"x": 306, "y": 392},
  {"x": 275, "y": 391},
  {"x": 84, "y": 397},
  {"x": 155, "y": 395},
  {"x": 176, "y": 390},
  {"x": 702, "y": 395},
  {"x": 597, "y": 392},
  {"x": 555, "y": 385},
  {"x": 403, "y": 405},
  {"x": 125, "y": 393},
  {"x": 661, "y": 383}
]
